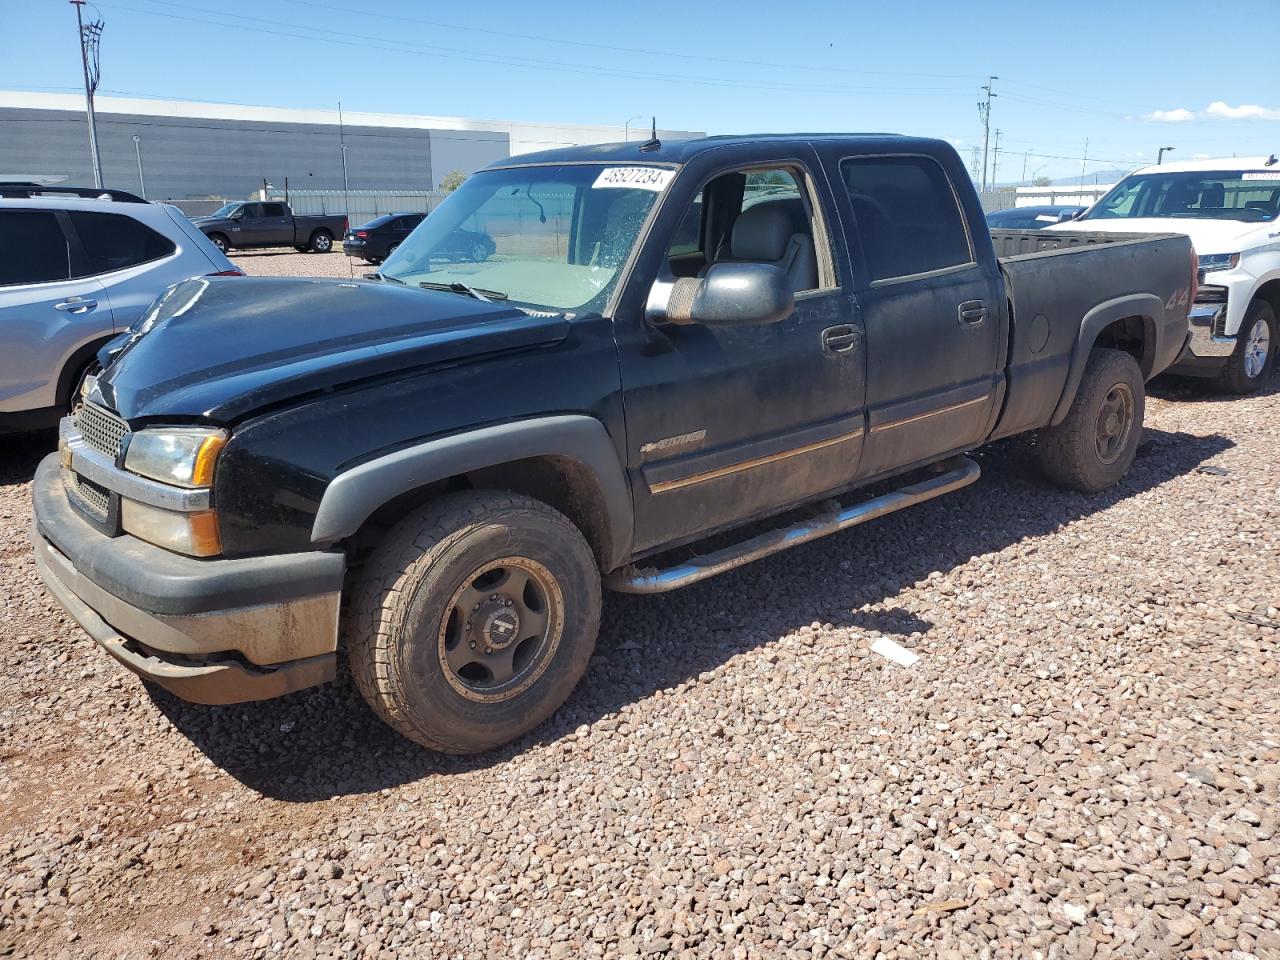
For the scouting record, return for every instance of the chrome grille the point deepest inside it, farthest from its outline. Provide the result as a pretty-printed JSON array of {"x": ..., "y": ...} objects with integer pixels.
[
  {"x": 102, "y": 430},
  {"x": 95, "y": 497}
]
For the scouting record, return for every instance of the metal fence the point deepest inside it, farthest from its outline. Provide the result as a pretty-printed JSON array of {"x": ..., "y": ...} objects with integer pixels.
[{"x": 364, "y": 204}]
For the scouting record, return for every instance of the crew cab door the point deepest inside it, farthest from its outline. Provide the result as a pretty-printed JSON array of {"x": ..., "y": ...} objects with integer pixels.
[
  {"x": 726, "y": 423},
  {"x": 931, "y": 300},
  {"x": 253, "y": 229}
]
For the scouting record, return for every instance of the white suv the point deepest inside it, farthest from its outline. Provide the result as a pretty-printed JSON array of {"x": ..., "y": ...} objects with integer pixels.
[
  {"x": 1229, "y": 209},
  {"x": 77, "y": 267}
]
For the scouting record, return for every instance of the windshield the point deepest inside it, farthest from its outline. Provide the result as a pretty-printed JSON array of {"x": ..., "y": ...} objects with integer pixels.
[
  {"x": 226, "y": 210},
  {"x": 1200, "y": 195},
  {"x": 548, "y": 238}
]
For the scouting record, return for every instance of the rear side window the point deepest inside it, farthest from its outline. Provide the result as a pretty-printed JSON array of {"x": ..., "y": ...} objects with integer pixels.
[
  {"x": 112, "y": 241},
  {"x": 273, "y": 209},
  {"x": 33, "y": 248},
  {"x": 908, "y": 220}
]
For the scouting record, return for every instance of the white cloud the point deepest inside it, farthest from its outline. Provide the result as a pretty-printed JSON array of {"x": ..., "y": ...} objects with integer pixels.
[
  {"x": 1180, "y": 115},
  {"x": 1246, "y": 111}
]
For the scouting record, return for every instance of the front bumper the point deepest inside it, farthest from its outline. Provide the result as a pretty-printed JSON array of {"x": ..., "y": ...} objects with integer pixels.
[
  {"x": 209, "y": 631},
  {"x": 1207, "y": 349}
]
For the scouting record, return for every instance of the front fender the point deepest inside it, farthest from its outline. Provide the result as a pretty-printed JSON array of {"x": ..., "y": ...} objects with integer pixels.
[
  {"x": 354, "y": 495},
  {"x": 1145, "y": 305}
]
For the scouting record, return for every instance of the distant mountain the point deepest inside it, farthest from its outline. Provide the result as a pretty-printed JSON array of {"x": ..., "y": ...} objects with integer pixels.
[{"x": 1090, "y": 178}]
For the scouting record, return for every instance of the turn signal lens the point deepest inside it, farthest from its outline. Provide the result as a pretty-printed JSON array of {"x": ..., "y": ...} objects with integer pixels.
[{"x": 195, "y": 534}]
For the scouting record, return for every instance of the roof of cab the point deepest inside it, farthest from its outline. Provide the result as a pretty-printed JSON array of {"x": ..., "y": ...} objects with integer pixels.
[
  {"x": 682, "y": 151},
  {"x": 1218, "y": 165}
]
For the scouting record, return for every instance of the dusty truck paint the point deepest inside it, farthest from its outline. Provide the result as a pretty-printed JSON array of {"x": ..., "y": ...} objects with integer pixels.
[{"x": 671, "y": 342}]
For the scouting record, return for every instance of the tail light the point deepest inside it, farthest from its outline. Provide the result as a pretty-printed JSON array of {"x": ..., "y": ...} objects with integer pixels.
[
  {"x": 233, "y": 272},
  {"x": 1195, "y": 275},
  {"x": 362, "y": 234}
]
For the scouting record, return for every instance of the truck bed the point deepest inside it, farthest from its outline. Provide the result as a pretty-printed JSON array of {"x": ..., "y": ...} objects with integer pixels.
[{"x": 1054, "y": 280}]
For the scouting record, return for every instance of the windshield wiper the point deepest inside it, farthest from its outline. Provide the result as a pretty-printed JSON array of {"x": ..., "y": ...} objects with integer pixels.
[
  {"x": 383, "y": 276},
  {"x": 457, "y": 286}
]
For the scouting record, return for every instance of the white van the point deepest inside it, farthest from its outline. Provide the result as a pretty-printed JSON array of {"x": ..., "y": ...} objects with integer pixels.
[{"x": 1229, "y": 210}]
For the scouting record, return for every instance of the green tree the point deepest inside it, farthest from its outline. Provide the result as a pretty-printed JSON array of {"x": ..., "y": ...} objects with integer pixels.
[
  {"x": 452, "y": 181},
  {"x": 1043, "y": 182}
]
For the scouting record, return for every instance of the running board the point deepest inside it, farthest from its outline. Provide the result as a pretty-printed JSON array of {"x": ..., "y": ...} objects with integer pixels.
[{"x": 957, "y": 472}]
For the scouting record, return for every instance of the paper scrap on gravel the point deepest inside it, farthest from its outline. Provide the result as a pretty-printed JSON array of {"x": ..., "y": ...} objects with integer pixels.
[{"x": 894, "y": 651}]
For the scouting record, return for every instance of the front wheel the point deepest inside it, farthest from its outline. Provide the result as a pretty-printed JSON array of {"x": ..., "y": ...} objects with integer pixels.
[
  {"x": 1255, "y": 350},
  {"x": 1094, "y": 446},
  {"x": 478, "y": 253},
  {"x": 219, "y": 241},
  {"x": 474, "y": 620},
  {"x": 321, "y": 242}
]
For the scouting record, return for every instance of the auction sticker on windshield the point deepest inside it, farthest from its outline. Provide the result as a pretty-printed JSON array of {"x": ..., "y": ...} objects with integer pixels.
[{"x": 634, "y": 178}]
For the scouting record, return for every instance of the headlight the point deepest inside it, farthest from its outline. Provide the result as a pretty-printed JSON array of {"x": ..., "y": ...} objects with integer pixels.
[
  {"x": 195, "y": 534},
  {"x": 183, "y": 456},
  {"x": 1219, "y": 261}
]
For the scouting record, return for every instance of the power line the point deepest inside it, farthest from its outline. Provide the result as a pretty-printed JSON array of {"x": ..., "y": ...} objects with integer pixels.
[{"x": 367, "y": 41}]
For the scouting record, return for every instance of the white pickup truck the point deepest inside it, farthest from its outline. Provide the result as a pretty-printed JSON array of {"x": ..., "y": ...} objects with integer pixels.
[{"x": 1229, "y": 210}]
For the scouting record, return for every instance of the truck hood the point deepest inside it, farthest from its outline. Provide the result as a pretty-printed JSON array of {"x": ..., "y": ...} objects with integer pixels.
[
  {"x": 219, "y": 348},
  {"x": 1207, "y": 236}
]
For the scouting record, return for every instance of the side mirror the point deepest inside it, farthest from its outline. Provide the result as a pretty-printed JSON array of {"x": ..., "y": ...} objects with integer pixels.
[{"x": 730, "y": 295}]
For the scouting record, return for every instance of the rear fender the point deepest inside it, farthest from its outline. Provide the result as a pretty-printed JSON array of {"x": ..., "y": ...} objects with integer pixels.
[{"x": 1147, "y": 306}]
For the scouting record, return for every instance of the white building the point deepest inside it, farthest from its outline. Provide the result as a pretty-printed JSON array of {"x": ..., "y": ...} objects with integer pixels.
[{"x": 189, "y": 149}]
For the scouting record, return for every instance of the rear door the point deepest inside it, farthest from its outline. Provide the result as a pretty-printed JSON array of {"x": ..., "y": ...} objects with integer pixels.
[
  {"x": 50, "y": 312},
  {"x": 133, "y": 262},
  {"x": 725, "y": 423},
  {"x": 932, "y": 303}
]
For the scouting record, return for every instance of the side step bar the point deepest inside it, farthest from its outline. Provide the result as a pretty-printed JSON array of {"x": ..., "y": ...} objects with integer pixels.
[{"x": 957, "y": 472}]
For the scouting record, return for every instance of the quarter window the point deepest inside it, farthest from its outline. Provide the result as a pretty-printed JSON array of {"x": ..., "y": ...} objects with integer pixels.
[
  {"x": 908, "y": 220},
  {"x": 33, "y": 248},
  {"x": 112, "y": 241}
]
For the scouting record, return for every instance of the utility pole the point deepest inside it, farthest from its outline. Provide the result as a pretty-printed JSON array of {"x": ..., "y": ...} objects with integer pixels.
[
  {"x": 90, "y": 37},
  {"x": 346, "y": 187},
  {"x": 975, "y": 162},
  {"x": 137, "y": 149},
  {"x": 984, "y": 111},
  {"x": 1026, "y": 153},
  {"x": 995, "y": 160},
  {"x": 1083, "y": 163}
]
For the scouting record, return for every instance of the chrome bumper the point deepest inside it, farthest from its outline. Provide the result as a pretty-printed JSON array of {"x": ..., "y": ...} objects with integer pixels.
[{"x": 1203, "y": 320}]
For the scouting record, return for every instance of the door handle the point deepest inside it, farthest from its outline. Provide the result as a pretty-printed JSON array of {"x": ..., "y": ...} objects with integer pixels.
[
  {"x": 840, "y": 339},
  {"x": 76, "y": 305},
  {"x": 973, "y": 311}
]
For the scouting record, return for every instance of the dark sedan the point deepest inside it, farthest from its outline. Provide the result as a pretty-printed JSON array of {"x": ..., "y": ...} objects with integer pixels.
[
  {"x": 1032, "y": 218},
  {"x": 376, "y": 239}
]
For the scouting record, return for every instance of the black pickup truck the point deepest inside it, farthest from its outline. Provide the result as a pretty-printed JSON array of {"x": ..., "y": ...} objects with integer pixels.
[
  {"x": 269, "y": 224},
  {"x": 679, "y": 357}
]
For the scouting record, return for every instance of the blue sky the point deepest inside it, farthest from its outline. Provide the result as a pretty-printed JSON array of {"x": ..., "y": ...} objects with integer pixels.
[{"x": 1129, "y": 76}]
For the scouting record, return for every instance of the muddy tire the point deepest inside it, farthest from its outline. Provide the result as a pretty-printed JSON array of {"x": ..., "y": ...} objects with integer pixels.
[
  {"x": 1255, "y": 351},
  {"x": 473, "y": 620},
  {"x": 1094, "y": 447}
]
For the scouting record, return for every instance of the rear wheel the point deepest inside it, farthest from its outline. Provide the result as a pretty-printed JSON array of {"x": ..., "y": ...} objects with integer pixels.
[
  {"x": 474, "y": 620},
  {"x": 321, "y": 241},
  {"x": 1255, "y": 350},
  {"x": 1094, "y": 446}
]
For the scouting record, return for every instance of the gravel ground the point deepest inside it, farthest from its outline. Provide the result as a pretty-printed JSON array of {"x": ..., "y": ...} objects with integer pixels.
[
  {"x": 287, "y": 262},
  {"x": 1083, "y": 763}
]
